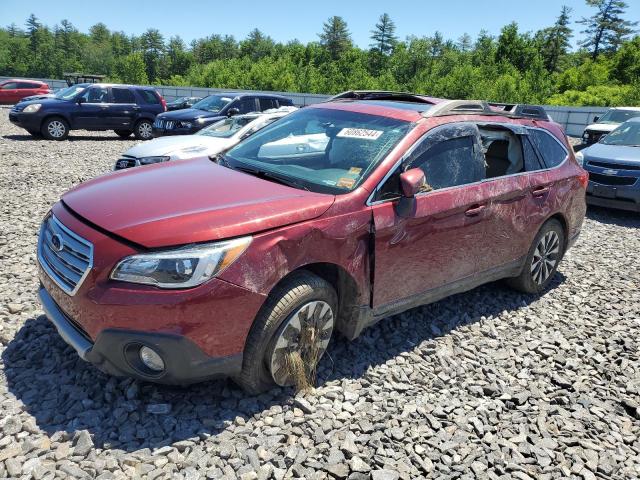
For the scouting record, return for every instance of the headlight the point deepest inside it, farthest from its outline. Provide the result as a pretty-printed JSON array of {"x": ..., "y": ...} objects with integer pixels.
[
  {"x": 151, "y": 160},
  {"x": 180, "y": 268},
  {"x": 201, "y": 120},
  {"x": 185, "y": 124},
  {"x": 33, "y": 108},
  {"x": 580, "y": 158}
]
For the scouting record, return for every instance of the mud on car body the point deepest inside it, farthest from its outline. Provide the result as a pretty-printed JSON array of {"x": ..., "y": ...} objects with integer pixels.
[{"x": 325, "y": 221}]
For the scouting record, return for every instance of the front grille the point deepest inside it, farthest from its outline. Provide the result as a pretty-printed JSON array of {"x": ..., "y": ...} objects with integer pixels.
[
  {"x": 611, "y": 179},
  {"x": 164, "y": 124},
  {"x": 615, "y": 166},
  {"x": 594, "y": 137},
  {"x": 65, "y": 256},
  {"x": 126, "y": 162}
]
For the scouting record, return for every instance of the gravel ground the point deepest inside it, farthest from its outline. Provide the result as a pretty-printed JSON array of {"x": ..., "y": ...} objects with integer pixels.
[{"x": 487, "y": 384}]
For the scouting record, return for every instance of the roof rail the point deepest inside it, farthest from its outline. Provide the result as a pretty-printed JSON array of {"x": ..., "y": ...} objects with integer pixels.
[
  {"x": 460, "y": 107},
  {"x": 521, "y": 110},
  {"x": 382, "y": 95}
]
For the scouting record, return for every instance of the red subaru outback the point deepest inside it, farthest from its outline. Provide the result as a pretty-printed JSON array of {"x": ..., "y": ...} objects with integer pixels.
[{"x": 326, "y": 221}]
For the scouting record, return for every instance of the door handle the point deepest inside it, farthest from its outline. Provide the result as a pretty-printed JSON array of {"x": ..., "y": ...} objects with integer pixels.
[
  {"x": 540, "y": 191},
  {"x": 475, "y": 210}
]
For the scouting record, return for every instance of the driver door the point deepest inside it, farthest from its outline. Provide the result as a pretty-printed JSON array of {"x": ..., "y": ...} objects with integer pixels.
[
  {"x": 448, "y": 239},
  {"x": 92, "y": 112}
]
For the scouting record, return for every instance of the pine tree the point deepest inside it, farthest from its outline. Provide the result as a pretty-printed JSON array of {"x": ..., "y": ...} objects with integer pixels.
[
  {"x": 606, "y": 29},
  {"x": 384, "y": 35},
  {"x": 33, "y": 25},
  {"x": 335, "y": 36},
  {"x": 555, "y": 40}
]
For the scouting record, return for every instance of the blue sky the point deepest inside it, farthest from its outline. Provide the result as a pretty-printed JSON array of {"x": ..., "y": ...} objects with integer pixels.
[{"x": 285, "y": 20}]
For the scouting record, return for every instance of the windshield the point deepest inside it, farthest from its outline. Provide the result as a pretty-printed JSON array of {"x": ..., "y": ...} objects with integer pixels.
[
  {"x": 618, "y": 116},
  {"x": 323, "y": 150},
  {"x": 227, "y": 127},
  {"x": 626, "y": 134},
  {"x": 213, "y": 103},
  {"x": 69, "y": 92}
]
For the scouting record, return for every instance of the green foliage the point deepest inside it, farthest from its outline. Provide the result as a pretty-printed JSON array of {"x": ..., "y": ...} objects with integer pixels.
[{"x": 531, "y": 67}]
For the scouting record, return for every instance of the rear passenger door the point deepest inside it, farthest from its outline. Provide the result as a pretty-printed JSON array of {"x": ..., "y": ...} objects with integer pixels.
[
  {"x": 451, "y": 237},
  {"x": 122, "y": 110}
]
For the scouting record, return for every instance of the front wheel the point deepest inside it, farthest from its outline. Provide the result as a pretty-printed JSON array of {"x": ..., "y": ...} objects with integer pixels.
[
  {"x": 542, "y": 260},
  {"x": 143, "y": 130},
  {"x": 290, "y": 335},
  {"x": 55, "y": 128}
]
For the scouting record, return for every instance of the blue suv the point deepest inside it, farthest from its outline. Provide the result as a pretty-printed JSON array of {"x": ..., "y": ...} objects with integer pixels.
[{"x": 125, "y": 109}]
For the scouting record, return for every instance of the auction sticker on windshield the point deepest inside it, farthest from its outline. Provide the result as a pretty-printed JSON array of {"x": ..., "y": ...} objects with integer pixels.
[{"x": 362, "y": 133}]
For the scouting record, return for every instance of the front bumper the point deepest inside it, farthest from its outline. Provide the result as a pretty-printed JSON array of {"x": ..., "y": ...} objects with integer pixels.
[
  {"x": 163, "y": 132},
  {"x": 28, "y": 121},
  {"x": 115, "y": 351}
]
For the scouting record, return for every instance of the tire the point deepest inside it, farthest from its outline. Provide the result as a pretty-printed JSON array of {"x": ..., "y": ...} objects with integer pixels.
[
  {"x": 548, "y": 246},
  {"x": 123, "y": 133},
  {"x": 283, "y": 305},
  {"x": 142, "y": 130},
  {"x": 55, "y": 128}
]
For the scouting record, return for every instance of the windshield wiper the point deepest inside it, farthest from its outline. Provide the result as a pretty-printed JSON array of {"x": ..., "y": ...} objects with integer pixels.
[{"x": 274, "y": 177}]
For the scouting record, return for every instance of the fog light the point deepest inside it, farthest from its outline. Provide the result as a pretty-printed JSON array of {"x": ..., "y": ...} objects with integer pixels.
[{"x": 151, "y": 359}]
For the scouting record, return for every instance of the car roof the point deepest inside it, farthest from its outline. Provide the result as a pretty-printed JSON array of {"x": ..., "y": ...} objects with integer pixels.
[
  {"x": 9, "y": 80},
  {"x": 144, "y": 87},
  {"x": 633, "y": 109}
]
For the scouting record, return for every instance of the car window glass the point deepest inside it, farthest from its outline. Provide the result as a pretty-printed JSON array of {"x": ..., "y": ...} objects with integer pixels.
[
  {"x": 552, "y": 152},
  {"x": 532, "y": 161},
  {"x": 122, "y": 95},
  {"x": 96, "y": 95},
  {"x": 25, "y": 85},
  {"x": 10, "y": 86},
  {"x": 450, "y": 163},
  {"x": 246, "y": 105},
  {"x": 149, "y": 97},
  {"x": 267, "y": 103}
]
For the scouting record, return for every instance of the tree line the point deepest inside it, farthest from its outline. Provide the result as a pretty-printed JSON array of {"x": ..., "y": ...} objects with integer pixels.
[{"x": 514, "y": 66}]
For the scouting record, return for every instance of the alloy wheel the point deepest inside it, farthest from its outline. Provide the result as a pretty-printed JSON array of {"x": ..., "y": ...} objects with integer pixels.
[
  {"x": 145, "y": 130},
  {"x": 56, "y": 129},
  {"x": 307, "y": 331},
  {"x": 545, "y": 257}
]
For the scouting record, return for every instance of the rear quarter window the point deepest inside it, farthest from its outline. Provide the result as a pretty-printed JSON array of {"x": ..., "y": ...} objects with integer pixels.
[
  {"x": 122, "y": 95},
  {"x": 149, "y": 97},
  {"x": 553, "y": 153}
]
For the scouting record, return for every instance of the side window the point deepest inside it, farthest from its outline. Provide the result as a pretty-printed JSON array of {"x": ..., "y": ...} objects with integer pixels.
[
  {"x": 122, "y": 95},
  {"x": 502, "y": 151},
  {"x": 25, "y": 85},
  {"x": 10, "y": 86},
  {"x": 246, "y": 104},
  {"x": 267, "y": 103},
  {"x": 532, "y": 161},
  {"x": 148, "y": 97},
  {"x": 96, "y": 95},
  {"x": 553, "y": 154},
  {"x": 450, "y": 163}
]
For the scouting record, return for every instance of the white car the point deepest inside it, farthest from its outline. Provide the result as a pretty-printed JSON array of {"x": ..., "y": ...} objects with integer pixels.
[
  {"x": 211, "y": 140},
  {"x": 607, "y": 123}
]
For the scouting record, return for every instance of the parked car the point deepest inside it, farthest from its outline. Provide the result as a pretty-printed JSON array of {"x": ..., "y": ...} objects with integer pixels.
[
  {"x": 614, "y": 168},
  {"x": 607, "y": 123},
  {"x": 125, "y": 109},
  {"x": 209, "y": 141},
  {"x": 12, "y": 91},
  {"x": 213, "y": 108},
  {"x": 183, "y": 271},
  {"x": 182, "y": 102}
]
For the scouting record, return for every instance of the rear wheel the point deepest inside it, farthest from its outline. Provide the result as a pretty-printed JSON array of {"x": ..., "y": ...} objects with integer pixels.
[
  {"x": 290, "y": 334},
  {"x": 123, "y": 133},
  {"x": 542, "y": 260},
  {"x": 142, "y": 130},
  {"x": 55, "y": 128}
]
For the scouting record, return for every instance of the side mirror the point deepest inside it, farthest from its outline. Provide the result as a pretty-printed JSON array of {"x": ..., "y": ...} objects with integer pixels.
[
  {"x": 80, "y": 100},
  {"x": 596, "y": 118},
  {"x": 232, "y": 111},
  {"x": 411, "y": 183}
]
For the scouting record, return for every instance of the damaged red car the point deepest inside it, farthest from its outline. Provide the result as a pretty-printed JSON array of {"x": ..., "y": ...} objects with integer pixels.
[{"x": 326, "y": 221}]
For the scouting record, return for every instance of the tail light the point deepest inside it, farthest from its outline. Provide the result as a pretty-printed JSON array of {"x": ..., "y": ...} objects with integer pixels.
[
  {"x": 583, "y": 178},
  {"x": 162, "y": 101}
]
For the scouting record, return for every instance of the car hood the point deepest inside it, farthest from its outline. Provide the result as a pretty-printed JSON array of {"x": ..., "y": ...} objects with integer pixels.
[
  {"x": 38, "y": 97},
  {"x": 168, "y": 145},
  {"x": 189, "y": 114},
  {"x": 602, "y": 127},
  {"x": 177, "y": 203},
  {"x": 613, "y": 154}
]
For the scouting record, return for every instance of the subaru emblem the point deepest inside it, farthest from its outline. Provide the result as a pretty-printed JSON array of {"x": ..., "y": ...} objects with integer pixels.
[{"x": 56, "y": 242}]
